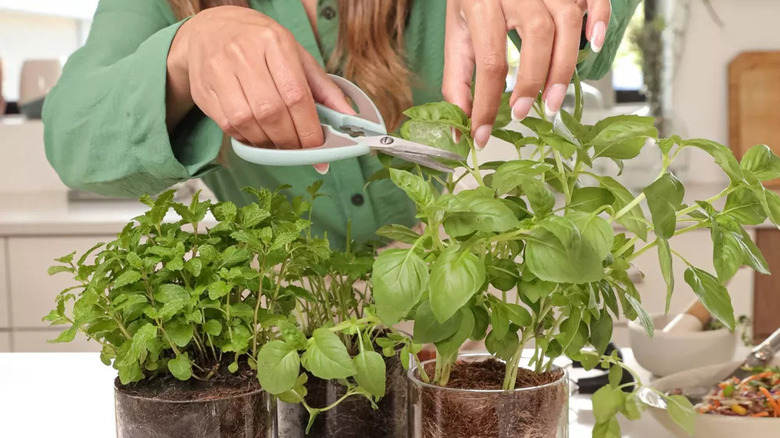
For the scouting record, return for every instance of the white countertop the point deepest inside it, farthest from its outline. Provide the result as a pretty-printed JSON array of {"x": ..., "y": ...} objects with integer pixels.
[{"x": 70, "y": 395}]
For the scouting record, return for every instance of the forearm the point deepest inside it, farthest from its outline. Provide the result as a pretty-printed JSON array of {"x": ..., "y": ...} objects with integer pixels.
[{"x": 178, "y": 99}]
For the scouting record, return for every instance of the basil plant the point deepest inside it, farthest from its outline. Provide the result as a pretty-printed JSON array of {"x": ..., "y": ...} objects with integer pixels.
[{"x": 555, "y": 240}]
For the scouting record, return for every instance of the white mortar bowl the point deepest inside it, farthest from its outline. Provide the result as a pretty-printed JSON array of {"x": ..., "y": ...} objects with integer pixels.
[{"x": 669, "y": 353}]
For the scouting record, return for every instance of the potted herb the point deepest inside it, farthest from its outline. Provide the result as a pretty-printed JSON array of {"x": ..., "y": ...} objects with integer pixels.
[
  {"x": 181, "y": 312},
  {"x": 337, "y": 371},
  {"x": 536, "y": 255}
]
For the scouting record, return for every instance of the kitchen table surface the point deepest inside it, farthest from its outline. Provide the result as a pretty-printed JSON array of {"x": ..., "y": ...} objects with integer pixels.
[{"x": 70, "y": 395}]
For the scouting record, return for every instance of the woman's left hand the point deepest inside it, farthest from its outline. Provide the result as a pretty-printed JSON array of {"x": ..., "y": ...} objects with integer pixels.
[{"x": 550, "y": 31}]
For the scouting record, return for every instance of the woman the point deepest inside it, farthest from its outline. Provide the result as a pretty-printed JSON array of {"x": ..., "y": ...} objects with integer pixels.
[{"x": 144, "y": 104}]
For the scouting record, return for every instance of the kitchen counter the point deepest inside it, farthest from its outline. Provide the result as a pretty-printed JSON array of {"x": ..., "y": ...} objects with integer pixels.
[{"x": 70, "y": 395}]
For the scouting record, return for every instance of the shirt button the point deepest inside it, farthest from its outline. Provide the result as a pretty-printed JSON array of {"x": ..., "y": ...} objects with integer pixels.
[
  {"x": 358, "y": 199},
  {"x": 328, "y": 13}
]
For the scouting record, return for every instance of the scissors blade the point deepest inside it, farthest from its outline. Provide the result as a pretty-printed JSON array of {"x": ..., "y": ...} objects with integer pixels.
[
  {"x": 386, "y": 142},
  {"x": 419, "y": 159}
]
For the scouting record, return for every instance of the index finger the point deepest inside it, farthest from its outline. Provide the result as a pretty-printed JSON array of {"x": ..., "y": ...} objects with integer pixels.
[{"x": 489, "y": 42}]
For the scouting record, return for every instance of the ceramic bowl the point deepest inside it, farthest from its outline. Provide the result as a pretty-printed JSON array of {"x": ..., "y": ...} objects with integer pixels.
[
  {"x": 668, "y": 353},
  {"x": 708, "y": 425}
]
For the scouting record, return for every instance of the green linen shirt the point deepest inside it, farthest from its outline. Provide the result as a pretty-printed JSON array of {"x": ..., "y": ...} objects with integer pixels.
[{"x": 105, "y": 128}]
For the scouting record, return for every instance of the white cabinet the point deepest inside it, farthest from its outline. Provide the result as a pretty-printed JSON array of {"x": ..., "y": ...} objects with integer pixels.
[
  {"x": 36, "y": 341},
  {"x": 696, "y": 247},
  {"x": 4, "y": 296},
  {"x": 32, "y": 289},
  {"x": 5, "y": 342}
]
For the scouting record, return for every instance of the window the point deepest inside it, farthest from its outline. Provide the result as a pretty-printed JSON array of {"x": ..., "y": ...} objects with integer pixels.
[{"x": 43, "y": 29}]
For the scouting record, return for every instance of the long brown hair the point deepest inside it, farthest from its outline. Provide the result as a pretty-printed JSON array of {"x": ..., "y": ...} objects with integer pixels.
[{"x": 369, "y": 52}]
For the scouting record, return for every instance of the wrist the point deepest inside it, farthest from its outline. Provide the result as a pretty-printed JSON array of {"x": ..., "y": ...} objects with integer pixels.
[
  {"x": 178, "y": 98},
  {"x": 177, "y": 63}
]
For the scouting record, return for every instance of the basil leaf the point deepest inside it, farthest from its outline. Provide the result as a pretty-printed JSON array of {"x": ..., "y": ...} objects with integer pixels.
[
  {"x": 664, "y": 197},
  {"x": 278, "y": 365},
  {"x": 744, "y": 207},
  {"x": 667, "y": 269},
  {"x": 622, "y": 137},
  {"x": 428, "y": 330},
  {"x": 590, "y": 199},
  {"x": 559, "y": 253},
  {"x": 634, "y": 219},
  {"x": 504, "y": 346},
  {"x": 455, "y": 277},
  {"x": 712, "y": 294},
  {"x": 398, "y": 233},
  {"x": 761, "y": 162},
  {"x": 607, "y": 429},
  {"x": 505, "y": 177},
  {"x": 326, "y": 356},
  {"x": 722, "y": 155},
  {"x": 400, "y": 277},
  {"x": 601, "y": 332},
  {"x": 682, "y": 412},
  {"x": 607, "y": 402},
  {"x": 370, "y": 375},
  {"x": 416, "y": 188},
  {"x": 644, "y": 318},
  {"x": 481, "y": 322},
  {"x": 448, "y": 348},
  {"x": 732, "y": 248},
  {"x": 479, "y": 211}
]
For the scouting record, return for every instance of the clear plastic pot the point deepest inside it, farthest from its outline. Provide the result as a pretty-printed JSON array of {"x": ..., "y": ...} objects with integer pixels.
[
  {"x": 354, "y": 417},
  {"x": 534, "y": 412},
  {"x": 248, "y": 415}
]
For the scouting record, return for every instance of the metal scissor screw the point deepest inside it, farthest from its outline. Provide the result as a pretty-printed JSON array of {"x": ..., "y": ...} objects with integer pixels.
[{"x": 386, "y": 140}]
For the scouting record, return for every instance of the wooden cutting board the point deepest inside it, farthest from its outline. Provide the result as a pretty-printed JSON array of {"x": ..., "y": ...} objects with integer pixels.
[{"x": 754, "y": 103}]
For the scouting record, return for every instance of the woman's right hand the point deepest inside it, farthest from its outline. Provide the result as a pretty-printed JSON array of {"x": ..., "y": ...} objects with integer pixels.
[{"x": 246, "y": 72}]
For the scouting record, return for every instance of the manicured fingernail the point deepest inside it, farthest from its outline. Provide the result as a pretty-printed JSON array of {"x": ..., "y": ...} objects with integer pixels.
[
  {"x": 597, "y": 36},
  {"x": 455, "y": 135},
  {"x": 554, "y": 99},
  {"x": 482, "y": 135},
  {"x": 322, "y": 168},
  {"x": 521, "y": 108}
]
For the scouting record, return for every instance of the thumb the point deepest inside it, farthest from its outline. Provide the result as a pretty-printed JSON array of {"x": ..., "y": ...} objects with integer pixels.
[{"x": 323, "y": 89}]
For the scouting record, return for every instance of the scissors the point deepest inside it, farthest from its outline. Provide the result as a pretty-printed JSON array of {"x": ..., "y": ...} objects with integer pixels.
[{"x": 348, "y": 136}]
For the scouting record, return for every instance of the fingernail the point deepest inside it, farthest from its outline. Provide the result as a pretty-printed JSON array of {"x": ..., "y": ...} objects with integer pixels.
[
  {"x": 322, "y": 168},
  {"x": 597, "y": 36},
  {"x": 455, "y": 135},
  {"x": 521, "y": 108},
  {"x": 554, "y": 99},
  {"x": 482, "y": 135}
]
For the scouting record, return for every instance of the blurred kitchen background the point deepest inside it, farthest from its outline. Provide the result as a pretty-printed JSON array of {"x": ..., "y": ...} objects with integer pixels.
[{"x": 683, "y": 61}]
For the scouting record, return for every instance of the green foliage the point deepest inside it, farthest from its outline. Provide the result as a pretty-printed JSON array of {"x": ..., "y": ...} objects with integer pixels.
[
  {"x": 175, "y": 297},
  {"x": 543, "y": 230}
]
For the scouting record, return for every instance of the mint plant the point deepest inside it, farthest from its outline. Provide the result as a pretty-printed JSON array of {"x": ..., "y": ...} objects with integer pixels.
[
  {"x": 177, "y": 298},
  {"x": 548, "y": 228}
]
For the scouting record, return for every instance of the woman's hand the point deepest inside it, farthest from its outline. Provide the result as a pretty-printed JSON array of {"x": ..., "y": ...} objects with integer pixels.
[
  {"x": 247, "y": 72},
  {"x": 550, "y": 31}
]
